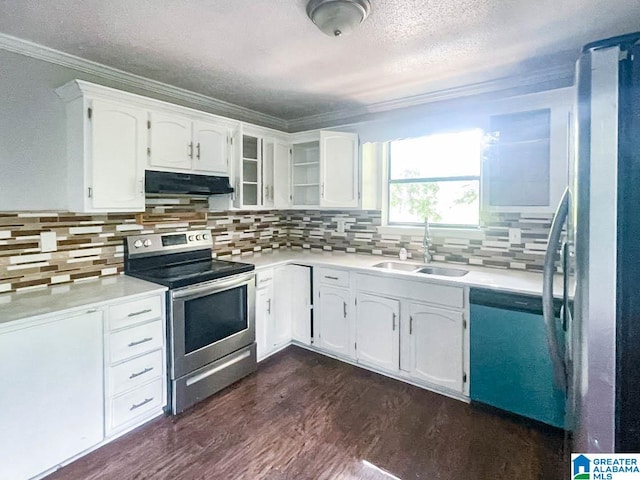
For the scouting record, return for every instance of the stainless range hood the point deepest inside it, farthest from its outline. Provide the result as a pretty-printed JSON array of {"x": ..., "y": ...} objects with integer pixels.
[{"x": 186, "y": 184}]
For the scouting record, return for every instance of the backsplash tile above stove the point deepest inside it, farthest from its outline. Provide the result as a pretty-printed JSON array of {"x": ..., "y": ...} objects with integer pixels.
[{"x": 90, "y": 246}]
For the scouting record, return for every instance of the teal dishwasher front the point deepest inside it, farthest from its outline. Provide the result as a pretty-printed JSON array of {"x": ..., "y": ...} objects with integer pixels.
[{"x": 510, "y": 364}]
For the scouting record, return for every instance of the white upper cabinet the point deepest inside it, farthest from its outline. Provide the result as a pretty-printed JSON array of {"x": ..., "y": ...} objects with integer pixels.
[
  {"x": 277, "y": 184},
  {"x": 338, "y": 169},
  {"x": 378, "y": 331},
  {"x": 324, "y": 170},
  {"x": 261, "y": 168},
  {"x": 211, "y": 148},
  {"x": 437, "y": 354},
  {"x": 170, "y": 144},
  {"x": 525, "y": 165},
  {"x": 117, "y": 150},
  {"x": 106, "y": 151},
  {"x": 178, "y": 143}
]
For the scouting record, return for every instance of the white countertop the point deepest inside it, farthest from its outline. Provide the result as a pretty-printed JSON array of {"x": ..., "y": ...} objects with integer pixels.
[
  {"x": 61, "y": 298},
  {"x": 505, "y": 280}
]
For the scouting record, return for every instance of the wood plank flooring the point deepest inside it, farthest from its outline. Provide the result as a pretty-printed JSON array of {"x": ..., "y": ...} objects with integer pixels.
[{"x": 307, "y": 416}]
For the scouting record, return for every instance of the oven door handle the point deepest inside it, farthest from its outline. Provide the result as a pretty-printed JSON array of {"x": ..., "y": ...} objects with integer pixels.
[{"x": 214, "y": 287}]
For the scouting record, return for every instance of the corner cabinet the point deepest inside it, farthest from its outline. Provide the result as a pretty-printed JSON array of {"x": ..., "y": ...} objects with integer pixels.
[
  {"x": 261, "y": 170},
  {"x": 106, "y": 150},
  {"x": 325, "y": 170}
]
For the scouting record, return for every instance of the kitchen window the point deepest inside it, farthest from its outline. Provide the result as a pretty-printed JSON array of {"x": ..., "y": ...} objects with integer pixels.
[{"x": 435, "y": 177}]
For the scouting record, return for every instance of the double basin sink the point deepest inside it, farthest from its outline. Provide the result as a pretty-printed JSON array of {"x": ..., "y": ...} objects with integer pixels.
[{"x": 424, "y": 269}]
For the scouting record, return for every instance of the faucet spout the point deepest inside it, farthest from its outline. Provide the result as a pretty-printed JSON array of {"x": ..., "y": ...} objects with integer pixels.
[{"x": 426, "y": 242}]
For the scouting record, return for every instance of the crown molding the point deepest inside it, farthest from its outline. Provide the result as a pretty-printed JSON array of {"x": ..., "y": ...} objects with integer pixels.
[
  {"x": 553, "y": 77},
  {"x": 219, "y": 107},
  {"x": 550, "y": 78}
]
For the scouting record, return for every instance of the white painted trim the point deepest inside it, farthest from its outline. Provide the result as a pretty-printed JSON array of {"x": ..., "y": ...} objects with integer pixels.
[
  {"x": 556, "y": 74},
  {"x": 439, "y": 232},
  {"x": 41, "y": 52}
]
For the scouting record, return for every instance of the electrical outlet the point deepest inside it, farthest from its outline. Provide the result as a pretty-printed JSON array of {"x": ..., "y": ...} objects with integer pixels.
[
  {"x": 515, "y": 236},
  {"x": 340, "y": 226},
  {"x": 48, "y": 242}
]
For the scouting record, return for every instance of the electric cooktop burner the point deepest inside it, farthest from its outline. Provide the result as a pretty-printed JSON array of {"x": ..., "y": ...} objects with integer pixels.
[{"x": 178, "y": 259}]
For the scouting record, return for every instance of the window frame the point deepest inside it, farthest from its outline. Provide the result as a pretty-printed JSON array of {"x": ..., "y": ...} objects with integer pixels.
[{"x": 453, "y": 226}]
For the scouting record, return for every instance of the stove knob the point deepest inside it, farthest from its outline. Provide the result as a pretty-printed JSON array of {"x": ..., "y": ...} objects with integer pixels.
[
  {"x": 191, "y": 238},
  {"x": 198, "y": 237},
  {"x": 147, "y": 243},
  {"x": 206, "y": 236},
  {"x": 137, "y": 243}
]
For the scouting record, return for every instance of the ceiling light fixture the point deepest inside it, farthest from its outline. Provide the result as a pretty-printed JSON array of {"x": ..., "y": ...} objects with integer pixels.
[{"x": 338, "y": 17}]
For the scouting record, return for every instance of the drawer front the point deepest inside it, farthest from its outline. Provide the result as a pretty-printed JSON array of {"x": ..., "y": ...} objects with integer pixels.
[
  {"x": 136, "y": 341},
  {"x": 264, "y": 277},
  {"x": 135, "y": 372},
  {"x": 136, "y": 311},
  {"x": 426, "y": 292},
  {"x": 140, "y": 401},
  {"x": 329, "y": 276}
]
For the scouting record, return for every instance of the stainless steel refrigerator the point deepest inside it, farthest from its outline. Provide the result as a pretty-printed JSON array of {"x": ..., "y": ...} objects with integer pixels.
[{"x": 595, "y": 346}]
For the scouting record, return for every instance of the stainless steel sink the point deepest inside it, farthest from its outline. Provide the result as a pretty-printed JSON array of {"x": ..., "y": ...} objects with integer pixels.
[
  {"x": 445, "y": 272},
  {"x": 404, "y": 267}
]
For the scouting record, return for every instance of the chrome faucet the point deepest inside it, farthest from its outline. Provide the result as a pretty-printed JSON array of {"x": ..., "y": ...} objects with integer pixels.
[{"x": 426, "y": 241}]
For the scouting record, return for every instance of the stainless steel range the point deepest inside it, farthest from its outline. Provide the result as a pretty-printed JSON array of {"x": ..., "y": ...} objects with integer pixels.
[{"x": 210, "y": 311}]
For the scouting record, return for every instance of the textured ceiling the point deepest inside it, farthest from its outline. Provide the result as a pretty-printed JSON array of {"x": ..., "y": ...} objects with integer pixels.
[{"x": 267, "y": 55}]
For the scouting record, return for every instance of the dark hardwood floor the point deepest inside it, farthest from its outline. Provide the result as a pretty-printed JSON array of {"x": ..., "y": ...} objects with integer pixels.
[{"x": 306, "y": 416}]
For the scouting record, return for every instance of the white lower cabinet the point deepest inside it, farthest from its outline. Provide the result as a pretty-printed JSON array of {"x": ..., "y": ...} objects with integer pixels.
[
  {"x": 134, "y": 363},
  {"x": 51, "y": 406},
  {"x": 378, "y": 331},
  {"x": 298, "y": 295},
  {"x": 264, "y": 319},
  {"x": 334, "y": 320},
  {"x": 436, "y": 337},
  {"x": 283, "y": 306}
]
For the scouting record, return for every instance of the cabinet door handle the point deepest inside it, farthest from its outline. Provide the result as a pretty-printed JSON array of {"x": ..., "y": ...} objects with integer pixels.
[
  {"x": 141, "y": 312},
  {"x": 411, "y": 325},
  {"x": 269, "y": 306},
  {"x": 141, "y": 186},
  {"x": 394, "y": 322},
  {"x": 198, "y": 151},
  {"x": 330, "y": 278},
  {"x": 141, "y": 372},
  {"x": 191, "y": 150},
  {"x": 138, "y": 405},
  {"x": 322, "y": 194},
  {"x": 144, "y": 340},
  {"x": 344, "y": 309}
]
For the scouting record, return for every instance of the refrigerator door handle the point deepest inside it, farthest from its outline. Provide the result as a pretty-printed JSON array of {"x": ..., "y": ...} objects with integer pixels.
[{"x": 557, "y": 360}]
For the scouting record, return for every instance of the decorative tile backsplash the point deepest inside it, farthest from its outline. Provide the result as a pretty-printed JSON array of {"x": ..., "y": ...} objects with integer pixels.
[
  {"x": 319, "y": 230},
  {"x": 90, "y": 246}
]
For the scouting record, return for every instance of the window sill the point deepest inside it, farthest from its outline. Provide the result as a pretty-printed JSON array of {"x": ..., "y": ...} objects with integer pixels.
[{"x": 471, "y": 233}]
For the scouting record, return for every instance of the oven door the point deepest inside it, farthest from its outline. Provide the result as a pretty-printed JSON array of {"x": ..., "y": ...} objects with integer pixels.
[{"x": 211, "y": 320}]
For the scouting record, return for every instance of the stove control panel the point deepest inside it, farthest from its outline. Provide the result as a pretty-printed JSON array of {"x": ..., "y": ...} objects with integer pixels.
[{"x": 158, "y": 243}]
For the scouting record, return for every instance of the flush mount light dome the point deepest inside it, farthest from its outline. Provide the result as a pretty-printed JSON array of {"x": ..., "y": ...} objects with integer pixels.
[{"x": 338, "y": 17}]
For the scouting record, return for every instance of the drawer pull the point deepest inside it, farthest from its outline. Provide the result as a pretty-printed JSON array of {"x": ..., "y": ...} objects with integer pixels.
[
  {"x": 138, "y": 405},
  {"x": 144, "y": 340},
  {"x": 134, "y": 375},
  {"x": 141, "y": 312},
  {"x": 331, "y": 278}
]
